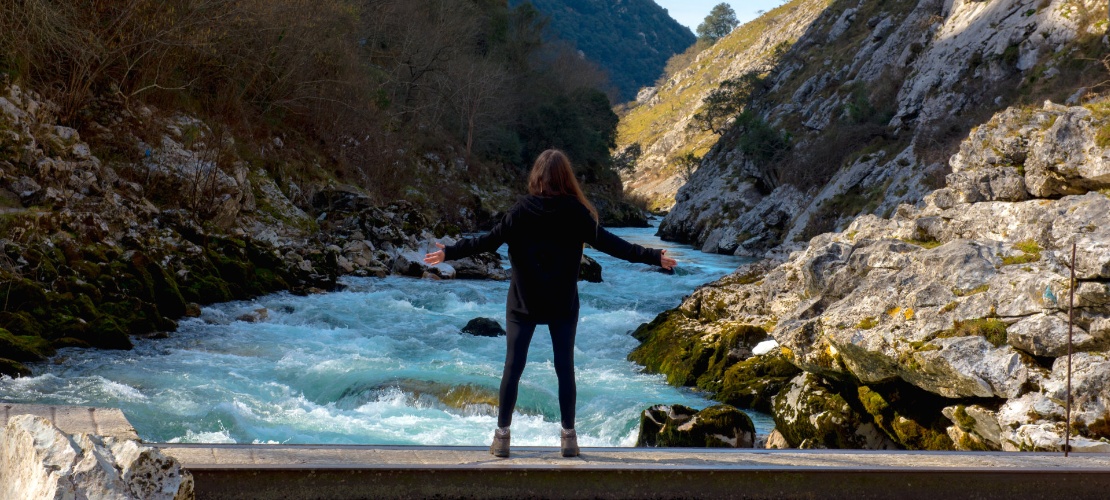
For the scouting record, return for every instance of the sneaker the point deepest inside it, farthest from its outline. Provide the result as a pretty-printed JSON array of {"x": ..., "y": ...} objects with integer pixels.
[
  {"x": 569, "y": 443},
  {"x": 500, "y": 446}
]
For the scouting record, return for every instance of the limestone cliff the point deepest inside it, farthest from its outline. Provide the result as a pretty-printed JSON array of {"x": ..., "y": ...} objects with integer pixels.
[
  {"x": 863, "y": 111},
  {"x": 944, "y": 326},
  {"x": 660, "y": 120}
]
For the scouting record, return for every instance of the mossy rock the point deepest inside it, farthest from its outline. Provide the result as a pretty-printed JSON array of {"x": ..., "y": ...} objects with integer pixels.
[
  {"x": 754, "y": 382},
  {"x": 21, "y": 294},
  {"x": 13, "y": 369},
  {"x": 23, "y": 347},
  {"x": 734, "y": 344},
  {"x": 44, "y": 263},
  {"x": 106, "y": 333},
  {"x": 135, "y": 317},
  {"x": 811, "y": 413},
  {"x": 671, "y": 346},
  {"x": 680, "y": 348},
  {"x": 909, "y": 416},
  {"x": 80, "y": 287},
  {"x": 719, "y": 426},
  {"x": 21, "y": 323},
  {"x": 61, "y": 324},
  {"x": 65, "y": 342}
]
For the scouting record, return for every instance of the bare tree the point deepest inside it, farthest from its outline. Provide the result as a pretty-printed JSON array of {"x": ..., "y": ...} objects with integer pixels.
[{"x": 478, "y": 91}]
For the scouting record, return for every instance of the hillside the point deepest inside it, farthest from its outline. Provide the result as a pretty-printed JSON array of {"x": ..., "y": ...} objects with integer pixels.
[
  {"x": 661, "y": 122},
  {"x": 630, "y": 39},
  {"x": 864, "y": 110}
]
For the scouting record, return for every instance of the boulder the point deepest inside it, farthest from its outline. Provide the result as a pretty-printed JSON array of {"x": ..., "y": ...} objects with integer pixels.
[
  {"x": 718, "y": 426},
  {"x": 484, "y": 327},
  {"x": 810, "y": 414},
  {"x": 409, "y": 263},
  {"x": 589, "y": 270},
  {"x": 754, "y": 382},
  {"x": 13, "y": 369},
  {"x": 481, "y": 266},
  {"x": 776, "y": 441},
  {"x": 974, "y": 428},
  {"x": 41, "y": 461}
]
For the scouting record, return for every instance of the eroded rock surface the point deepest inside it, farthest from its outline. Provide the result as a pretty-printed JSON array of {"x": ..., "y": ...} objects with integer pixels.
[
  {"x": 41, "y": 462},
  {"x": 963, "y": 297}
]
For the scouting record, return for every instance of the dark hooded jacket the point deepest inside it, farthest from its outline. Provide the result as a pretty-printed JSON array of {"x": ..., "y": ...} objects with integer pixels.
[{"x": 545, "y": 237}]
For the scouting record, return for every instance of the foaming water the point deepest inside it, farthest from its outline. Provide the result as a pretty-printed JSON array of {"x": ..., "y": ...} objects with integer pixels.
[{"x": 377, "y": 363}]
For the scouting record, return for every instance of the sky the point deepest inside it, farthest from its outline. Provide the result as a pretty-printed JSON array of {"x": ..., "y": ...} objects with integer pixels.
[{"x": 692, "y": 12}]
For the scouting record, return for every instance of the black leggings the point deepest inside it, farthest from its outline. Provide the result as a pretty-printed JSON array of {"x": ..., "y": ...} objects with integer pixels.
[{"x": 516, "y": 355}]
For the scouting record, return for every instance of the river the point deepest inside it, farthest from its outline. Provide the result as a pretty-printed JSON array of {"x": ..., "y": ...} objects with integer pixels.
[{"x": 363, "y": 365}]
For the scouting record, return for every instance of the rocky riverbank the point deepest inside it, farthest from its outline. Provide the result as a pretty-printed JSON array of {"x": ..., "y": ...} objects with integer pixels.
[
  {"x": 942, "y": 327},
  {"x": 98, "y": 250}
]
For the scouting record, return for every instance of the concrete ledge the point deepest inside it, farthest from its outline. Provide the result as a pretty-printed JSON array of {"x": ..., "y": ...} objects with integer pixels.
[
  {"x": 75, "y": 419},
  {"x": 353, "y": 472}
]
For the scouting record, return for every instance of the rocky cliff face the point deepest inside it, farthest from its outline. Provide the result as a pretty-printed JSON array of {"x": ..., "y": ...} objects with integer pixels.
[
  {"x": 868, "y": 105},
  {"x": 660, "y": 120},
  {"x": 946, "y": 325}
]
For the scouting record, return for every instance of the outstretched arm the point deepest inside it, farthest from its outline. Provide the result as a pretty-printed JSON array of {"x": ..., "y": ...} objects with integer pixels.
[
  {"x": 468, "y": 246},
  {"x": 613, "y": 245}
]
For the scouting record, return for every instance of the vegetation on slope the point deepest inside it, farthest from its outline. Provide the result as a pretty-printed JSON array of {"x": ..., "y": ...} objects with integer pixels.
[
  {"x": 632, "y": 40},
  {"x": 365, "y": 90},
  {"x": 688, "y": 79}
]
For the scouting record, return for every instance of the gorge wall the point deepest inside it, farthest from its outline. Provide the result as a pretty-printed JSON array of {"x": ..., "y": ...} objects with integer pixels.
[
  {"x": 942, "y": 326},
  {"x": 863, "y": 111}
]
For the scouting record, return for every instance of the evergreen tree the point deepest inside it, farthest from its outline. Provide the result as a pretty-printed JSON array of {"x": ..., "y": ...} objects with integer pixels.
[{"x": 720, "y": 22}]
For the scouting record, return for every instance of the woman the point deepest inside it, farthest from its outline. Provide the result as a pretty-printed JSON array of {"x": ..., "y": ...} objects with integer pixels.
[{"x": 545, "y": 231}]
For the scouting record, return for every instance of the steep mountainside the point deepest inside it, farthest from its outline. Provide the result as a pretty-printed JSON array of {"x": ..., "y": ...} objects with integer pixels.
[
  {"x": 660, "y": 121},
  {"x": 631, "y": 39},
  {"x": 863, "y": 112}
]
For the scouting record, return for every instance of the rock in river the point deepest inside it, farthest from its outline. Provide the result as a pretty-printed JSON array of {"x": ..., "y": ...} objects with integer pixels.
[{"x": 483, "y": 327}]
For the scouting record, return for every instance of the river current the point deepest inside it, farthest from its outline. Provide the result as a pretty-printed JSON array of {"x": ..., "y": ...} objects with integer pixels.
[{"x": 371, "y": 364}]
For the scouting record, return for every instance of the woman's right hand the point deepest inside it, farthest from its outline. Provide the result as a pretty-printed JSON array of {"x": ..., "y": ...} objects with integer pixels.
[
  {"x": 667, "y": 262},
  {"x": 436, "y": 257}
]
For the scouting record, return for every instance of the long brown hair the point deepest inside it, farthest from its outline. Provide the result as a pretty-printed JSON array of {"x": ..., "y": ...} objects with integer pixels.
[{"x": 552, "y": 176}]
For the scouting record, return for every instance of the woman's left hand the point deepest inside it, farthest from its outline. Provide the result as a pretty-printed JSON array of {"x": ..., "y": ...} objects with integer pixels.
[
  {"x": 667, "y": 262},
  {"x": 437, "y": 257}
]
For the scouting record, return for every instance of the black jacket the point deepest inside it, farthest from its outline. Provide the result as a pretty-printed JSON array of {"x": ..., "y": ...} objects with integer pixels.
[{"x": 545, "y": 237}]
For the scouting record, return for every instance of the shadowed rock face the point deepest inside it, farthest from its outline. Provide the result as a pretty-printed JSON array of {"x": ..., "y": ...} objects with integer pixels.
[
  {"x": 964, "y": 301},
  {"x": 719, "y": 426}
]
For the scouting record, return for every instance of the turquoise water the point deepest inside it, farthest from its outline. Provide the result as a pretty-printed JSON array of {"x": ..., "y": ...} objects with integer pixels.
[{"x": 342, "y": 367}]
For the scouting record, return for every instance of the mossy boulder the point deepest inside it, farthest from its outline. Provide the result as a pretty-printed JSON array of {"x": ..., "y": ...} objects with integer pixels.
[
  {"x": 23, "y": 347},
  {"x": 20, "y": 323},
  {"x": 909, "y": 416},
  {"x": 719, "y": 426},
  {"x": 20, "y": 294},
  {"x": 13, "y": 369},
  {"x": 107, "y": 333},
  {"x": 811, "y": 413},
  {"x": 690, "y": 354},
  {"x": 754, "y": 382}
]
